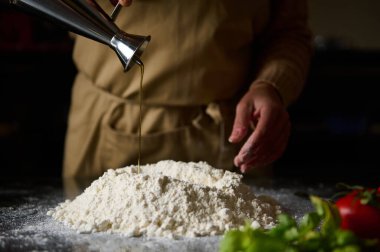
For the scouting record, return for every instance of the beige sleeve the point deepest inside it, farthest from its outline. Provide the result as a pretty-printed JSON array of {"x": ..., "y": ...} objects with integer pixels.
[{"x": 285, "y": 49}]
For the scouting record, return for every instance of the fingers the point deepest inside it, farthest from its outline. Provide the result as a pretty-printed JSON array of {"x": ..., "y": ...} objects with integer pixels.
[
  {"x": 254, "y": 143},
  {"x": 122, "y": 2},
  {"x": 267, "y": 143},
  {"x": 125, "y": 2},
  {"x": 261, "y": 106},
  {"x": 278, "y": 149},
  {"x": 242, "y": 122}
]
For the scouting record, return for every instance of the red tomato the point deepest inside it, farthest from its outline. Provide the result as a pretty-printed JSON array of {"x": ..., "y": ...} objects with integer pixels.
[{"x": 363, "y": 220}]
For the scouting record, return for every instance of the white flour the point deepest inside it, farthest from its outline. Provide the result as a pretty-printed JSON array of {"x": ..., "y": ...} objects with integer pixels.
[{"x": 169, "y": 199}]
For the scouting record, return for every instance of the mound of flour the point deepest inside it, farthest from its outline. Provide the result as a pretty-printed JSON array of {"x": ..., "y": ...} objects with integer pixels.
[{"x": 169, "y": 199}]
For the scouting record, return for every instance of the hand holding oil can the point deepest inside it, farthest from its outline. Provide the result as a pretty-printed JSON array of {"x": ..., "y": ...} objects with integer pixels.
[{"x": 87, "y": 18}]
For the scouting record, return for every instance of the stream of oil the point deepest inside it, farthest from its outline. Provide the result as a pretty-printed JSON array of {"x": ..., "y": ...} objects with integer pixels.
[{"x": 140, "y": 116}]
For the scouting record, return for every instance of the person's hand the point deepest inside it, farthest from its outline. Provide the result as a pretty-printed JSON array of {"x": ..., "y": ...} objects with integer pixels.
[
  {"x": 125, "y": 2},
  {"x": 122, "y": 2},
  {"x": 262, "y": 110}
]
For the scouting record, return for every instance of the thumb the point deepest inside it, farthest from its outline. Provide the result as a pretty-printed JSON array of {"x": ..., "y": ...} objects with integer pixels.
[
  {"x": 125, "y": 2},
  {"x": 241, "y": 123},
  {"x": 122, "y": 2}
]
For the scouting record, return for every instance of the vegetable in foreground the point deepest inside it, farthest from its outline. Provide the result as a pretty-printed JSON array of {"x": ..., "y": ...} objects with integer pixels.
[
  {"x": 359, "y": 210},
  {"x": 317, "y": 231}
]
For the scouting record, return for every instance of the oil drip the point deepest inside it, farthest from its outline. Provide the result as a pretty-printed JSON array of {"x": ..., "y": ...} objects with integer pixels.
[{"x": 140, "y": 116}]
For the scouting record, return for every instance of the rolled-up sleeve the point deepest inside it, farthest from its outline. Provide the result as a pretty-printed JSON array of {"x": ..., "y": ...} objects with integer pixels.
[{"x": 285, "y": 49}]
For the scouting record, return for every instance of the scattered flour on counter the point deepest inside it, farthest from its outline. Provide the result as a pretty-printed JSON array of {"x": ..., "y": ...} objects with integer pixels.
[{"x": 167, "y": 199}]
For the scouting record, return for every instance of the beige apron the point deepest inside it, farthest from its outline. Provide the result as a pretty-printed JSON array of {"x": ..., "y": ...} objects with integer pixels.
[
  {"x": 197, "y": 63},
  {"x": 103, "y": 133}
]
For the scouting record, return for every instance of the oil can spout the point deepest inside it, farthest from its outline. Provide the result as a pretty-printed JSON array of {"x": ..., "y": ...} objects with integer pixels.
[
  {"x": 129, "y": 48},
  {"x": 87, "y": 18}
]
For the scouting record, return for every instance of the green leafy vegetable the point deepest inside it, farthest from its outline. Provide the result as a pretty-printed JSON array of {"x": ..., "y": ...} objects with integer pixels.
[{"x": 317, "y": 231}]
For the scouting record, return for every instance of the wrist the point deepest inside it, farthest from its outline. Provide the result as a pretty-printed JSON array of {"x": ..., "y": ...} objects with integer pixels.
[{"x": 258, "y": 84}]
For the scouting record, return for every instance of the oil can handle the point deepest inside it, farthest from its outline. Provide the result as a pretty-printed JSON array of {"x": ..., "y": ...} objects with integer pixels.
[{"x": 116, "y": 11}]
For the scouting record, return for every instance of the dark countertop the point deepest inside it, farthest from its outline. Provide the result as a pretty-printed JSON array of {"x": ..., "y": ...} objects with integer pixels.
[{"x": 24, "y": 225}]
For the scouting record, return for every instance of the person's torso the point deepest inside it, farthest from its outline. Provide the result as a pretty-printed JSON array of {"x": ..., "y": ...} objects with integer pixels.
[{"x": 200, "y": 51}]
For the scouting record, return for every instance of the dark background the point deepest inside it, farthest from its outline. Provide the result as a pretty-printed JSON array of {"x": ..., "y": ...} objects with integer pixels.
[
  {"x": 36, "y": 76},
  {"x": 336, "y": 121}
]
